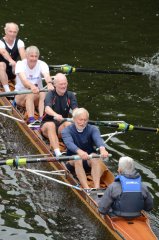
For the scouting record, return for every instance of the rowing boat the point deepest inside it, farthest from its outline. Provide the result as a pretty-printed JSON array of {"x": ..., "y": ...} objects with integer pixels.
[{"x": 120, "y": 228}]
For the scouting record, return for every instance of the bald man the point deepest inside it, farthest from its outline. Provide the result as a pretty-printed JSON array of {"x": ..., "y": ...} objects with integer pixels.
[
  {"x": 11, "y": 48},
  {"x": 57, "y": 106}
]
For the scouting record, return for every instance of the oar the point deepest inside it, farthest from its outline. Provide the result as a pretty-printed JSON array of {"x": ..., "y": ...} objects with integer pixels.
[
  {"x": 65, "y": 68},
  {"x": 123, "y": 126},
  {"x": 18, "y": 161},
  {"x": 120, "y": 125},
  {"x": 13, "y": 93}
]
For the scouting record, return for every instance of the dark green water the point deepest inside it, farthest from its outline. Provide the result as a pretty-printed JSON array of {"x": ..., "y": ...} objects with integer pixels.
[{"x": 98, "y": 34}]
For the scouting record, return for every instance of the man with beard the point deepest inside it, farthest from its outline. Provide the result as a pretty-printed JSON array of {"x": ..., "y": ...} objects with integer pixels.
[{"x": 80, "y": 139}]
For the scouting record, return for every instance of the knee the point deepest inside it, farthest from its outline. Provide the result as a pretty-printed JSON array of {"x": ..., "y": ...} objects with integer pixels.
[
  {"x": 95, "y": 162},
  {"x": 78, "y": 164},
  {"x": 66, "y": 124},
  {"x": 20, "y": 101},
  {"x": 48, "y": 127}
]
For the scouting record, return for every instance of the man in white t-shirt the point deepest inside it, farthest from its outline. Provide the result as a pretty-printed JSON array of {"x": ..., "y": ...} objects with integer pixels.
[
  {"x": 11, "y": 48},
  {"x": 29, "y": 74}
]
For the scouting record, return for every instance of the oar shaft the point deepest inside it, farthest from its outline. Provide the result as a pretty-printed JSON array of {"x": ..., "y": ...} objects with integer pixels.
[
  {"x": 123, "y": 126},
  {"x": 106, "y": 71},
  {"x": 69, "y": 69},
  {"x": 24, "y": 160},
  {"x": 14, "y": 93},
  {"x": 149, "y": 129}
]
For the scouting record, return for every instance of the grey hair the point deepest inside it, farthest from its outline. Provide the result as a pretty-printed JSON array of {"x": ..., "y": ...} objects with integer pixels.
[
  {"x": 79, "y": 111},
  {"x": 126, "y": 165},
  {"x": 7, "y": 25},
  {"x": 59, "y": 76},
  {"x": 32, "y": 49}
]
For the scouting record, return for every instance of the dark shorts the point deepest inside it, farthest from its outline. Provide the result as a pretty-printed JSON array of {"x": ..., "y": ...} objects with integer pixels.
[
  {"x": 10, "y": 74},
  {"x": 86, "y": 167},
  {"x": 57, "y": 124},
  {"x": 9, "y": 71}
]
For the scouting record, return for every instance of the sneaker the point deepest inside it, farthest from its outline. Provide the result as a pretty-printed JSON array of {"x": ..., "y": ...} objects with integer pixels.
[
  {"x": 63, "y": 154},
  {"x": 31, "y": 119},
  {"x": 14, "y": 104},
  {"x": 40, "y": 119},
  {"x": 35, "y": 125}
]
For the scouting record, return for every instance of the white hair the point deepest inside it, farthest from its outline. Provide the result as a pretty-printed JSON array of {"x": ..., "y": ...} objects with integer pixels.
[
  {"x": 126, "y": 165},
  {"x": 8, "y": 25},
  {"x": 32, "y": 49},
  {"x": 59, "y": 76},
  {"x": 79, "y": 111}
]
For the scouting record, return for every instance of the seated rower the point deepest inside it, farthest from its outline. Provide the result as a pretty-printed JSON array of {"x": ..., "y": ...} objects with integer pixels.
[
  {"x": 28, "y": 77},
  {"x": 127, "y": 195},
  {"x": 11, "y": 48},
  {"x": 57, "y": 107},
  {"x": 80, "y": 139}
]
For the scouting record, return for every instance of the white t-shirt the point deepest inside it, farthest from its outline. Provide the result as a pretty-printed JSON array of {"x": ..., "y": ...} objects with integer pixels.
[
  {"x": 20, "y": 44},
  {"x": 33, "y": 75}
]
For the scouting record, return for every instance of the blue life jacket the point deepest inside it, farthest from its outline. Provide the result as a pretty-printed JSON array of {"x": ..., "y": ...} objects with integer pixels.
[{"x": 131, "y": 201}]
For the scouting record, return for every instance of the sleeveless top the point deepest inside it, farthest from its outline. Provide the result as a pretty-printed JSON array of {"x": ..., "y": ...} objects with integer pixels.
[{"x": 14, "y": 53}]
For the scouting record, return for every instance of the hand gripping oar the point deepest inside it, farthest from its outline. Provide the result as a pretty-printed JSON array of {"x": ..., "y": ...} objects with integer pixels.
[
  {"x": 14, "y": 93},
  {"x": 65, "y": 68},
  {"x": 19, "y": 161},
  {"x": 123, "y": 126}
]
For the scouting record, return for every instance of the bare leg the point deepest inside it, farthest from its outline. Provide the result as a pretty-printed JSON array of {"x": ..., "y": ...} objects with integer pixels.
[
  {"x": 62, "y": 126},
  {"x": 3, "y": 75},
  {"x": 80, "y": 172},
  {"x": 96, "y": 171},
  {"x": 49, "y": 131},
  {"x": 30, "y": 108},
  {"x": 20, "y": 100},
  {"x": 41, "y": 103}
]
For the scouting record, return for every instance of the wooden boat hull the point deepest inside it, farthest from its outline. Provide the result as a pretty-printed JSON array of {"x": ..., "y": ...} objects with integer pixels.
[{"x": 120, "y": 228}]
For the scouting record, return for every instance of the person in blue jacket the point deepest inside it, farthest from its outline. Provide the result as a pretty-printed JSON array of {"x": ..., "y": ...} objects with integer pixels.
[
  {"x": 80, "y": 138},
  {"x": 127, "y": 196}
]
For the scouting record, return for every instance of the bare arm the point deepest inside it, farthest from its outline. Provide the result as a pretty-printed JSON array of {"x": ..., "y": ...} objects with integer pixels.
[
  {"x": 103, "y": 152},
  {"x": 52, "y": 113},
  {"x": 22, "y": 53},
  {"x": 48, "y": 81},
  {"x": 6, "y": 55}
]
